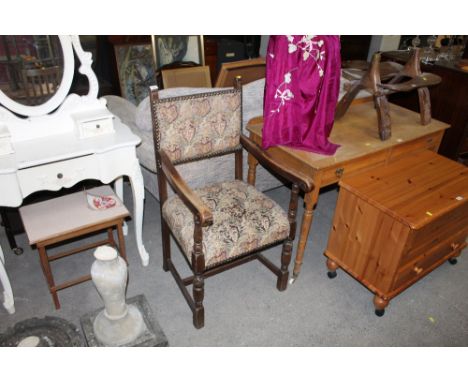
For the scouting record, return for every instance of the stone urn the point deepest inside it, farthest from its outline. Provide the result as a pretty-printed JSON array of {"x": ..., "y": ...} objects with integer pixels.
[{"x": 118, "y": 324}]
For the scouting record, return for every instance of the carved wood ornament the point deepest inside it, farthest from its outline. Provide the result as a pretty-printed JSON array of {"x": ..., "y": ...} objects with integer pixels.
[{"x": 381, "y": 79}]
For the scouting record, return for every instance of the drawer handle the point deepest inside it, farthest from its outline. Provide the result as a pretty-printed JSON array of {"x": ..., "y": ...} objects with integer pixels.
[
  {"x": 418, "y": 270},
  {"x": 339, "y": 172},
  {"x": 455, "y": 246},
  {"x": 59, "y": 175},
  {"x": 98, "y": 126}
]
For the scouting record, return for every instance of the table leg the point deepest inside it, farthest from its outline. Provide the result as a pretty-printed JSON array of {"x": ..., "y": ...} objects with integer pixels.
[
  {"x": 310, "y": 200},
  {"x": 8, "y": 300},
  {"x": 118, "y": 186},
  {"x": 138, "y": 189}
]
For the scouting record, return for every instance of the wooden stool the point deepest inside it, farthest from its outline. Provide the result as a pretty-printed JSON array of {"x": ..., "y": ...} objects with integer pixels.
[{"x": 69, "y": 217}]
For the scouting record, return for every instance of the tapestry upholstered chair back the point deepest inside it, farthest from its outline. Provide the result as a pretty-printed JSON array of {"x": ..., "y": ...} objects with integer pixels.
[
  {"x": 225, "y": 224},
  {"x": 198, "y": 126}
]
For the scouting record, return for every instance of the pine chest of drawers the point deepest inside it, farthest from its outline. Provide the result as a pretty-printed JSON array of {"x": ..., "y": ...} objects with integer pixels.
[{"x": 394, "y": 224}]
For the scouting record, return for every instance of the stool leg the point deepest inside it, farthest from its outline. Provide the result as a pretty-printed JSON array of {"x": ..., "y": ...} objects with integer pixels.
[
  {"x": 121, "y": 241},
  {"x": 48, "y": 275},
  {"x": 110, "y": 236}
]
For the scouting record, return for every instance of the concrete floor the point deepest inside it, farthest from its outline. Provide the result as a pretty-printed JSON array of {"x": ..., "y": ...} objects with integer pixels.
[{"x": 243, "y": 307}]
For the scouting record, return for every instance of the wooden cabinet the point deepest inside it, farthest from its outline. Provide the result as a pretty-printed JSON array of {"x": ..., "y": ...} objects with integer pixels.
[
  {"x": 394, "y": 224},
  {"x": 449, "y": 102}
]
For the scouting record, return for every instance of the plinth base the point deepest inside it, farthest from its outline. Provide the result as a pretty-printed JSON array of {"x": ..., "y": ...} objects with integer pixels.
[
  {"x": 152, "y": 336},
  {"x": 42, "y": 332}
]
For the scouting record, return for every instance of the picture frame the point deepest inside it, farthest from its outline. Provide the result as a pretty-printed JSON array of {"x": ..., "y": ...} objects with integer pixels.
[
  {"x": 177, "y": 48},
  {"x": 136, "y": 70}
]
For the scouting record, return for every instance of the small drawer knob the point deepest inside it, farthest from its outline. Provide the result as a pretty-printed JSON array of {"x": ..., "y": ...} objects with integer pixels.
[
  {"x": 454, "y": 246},
  {"x": 98, "y": 126},
  {"x": 417, "y": 269},
  {"x": 59, "y": 175},
  {"x": 339, "y": 172}
]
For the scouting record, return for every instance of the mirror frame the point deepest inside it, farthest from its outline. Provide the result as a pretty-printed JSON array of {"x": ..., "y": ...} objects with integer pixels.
[{"x": 57, "y": 99}]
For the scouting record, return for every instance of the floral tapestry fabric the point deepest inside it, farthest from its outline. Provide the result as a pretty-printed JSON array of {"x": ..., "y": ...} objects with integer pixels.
[
  {"x": 243, "y": 220},
  {"x": 302, "y": 87},
  {"x": 197, "y": 126}
]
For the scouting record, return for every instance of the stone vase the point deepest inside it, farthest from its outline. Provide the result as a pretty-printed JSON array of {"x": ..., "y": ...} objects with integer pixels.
[{"x": 118, "y": 324}]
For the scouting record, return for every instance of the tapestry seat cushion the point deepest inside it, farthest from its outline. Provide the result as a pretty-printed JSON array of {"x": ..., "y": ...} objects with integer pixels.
[{"x": 244, "y": 220}]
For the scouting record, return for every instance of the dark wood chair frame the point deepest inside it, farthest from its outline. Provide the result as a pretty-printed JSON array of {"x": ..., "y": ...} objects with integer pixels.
[{"x": 203, "y": 217}]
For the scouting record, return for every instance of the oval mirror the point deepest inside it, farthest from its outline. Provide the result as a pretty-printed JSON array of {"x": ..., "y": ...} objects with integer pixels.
[{"x": 35, "y": 73}]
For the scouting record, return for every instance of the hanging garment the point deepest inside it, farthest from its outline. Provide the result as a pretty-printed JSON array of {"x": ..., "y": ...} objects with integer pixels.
[{"x": 301, "y": 92}]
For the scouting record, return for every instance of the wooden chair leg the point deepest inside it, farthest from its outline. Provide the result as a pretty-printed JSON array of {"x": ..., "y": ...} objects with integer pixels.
[
  {"x": 121, "y": 241},
  {"x": 48, "y": 275},
  {"x": 282, "y": 282},
  {"x": 166, "y": 244},
  {"x": 198, "y": 265},
  {"x": 110, "y": 237},
  {"x": 198, "y": 295}
]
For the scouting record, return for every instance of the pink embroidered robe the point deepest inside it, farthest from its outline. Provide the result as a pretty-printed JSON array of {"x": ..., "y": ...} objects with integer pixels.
[{"x": 301, "y": 92}]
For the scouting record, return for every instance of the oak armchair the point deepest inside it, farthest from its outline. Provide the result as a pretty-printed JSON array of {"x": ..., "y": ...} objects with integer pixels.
[{"x": 221, "y": 225}]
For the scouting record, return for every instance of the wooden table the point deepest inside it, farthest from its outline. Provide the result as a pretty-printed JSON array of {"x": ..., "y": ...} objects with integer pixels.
[{"x": 360, "y": 150}]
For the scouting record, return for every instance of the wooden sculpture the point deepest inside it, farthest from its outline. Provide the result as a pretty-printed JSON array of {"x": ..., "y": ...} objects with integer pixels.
[{"x": 385, "y": 78}]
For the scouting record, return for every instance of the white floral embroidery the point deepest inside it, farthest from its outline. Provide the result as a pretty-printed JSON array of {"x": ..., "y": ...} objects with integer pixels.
[
  {"x": 283, "y": 94},
  {"x": 310, "y": 48}
]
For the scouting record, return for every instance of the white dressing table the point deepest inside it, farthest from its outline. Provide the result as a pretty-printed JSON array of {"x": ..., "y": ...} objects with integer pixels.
[{"x": 50, "y": 151}]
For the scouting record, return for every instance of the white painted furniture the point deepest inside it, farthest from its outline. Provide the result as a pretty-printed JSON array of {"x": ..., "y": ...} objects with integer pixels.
[
  {"x": 8, "y": 301},
  {"x": 51, "y": 151}
]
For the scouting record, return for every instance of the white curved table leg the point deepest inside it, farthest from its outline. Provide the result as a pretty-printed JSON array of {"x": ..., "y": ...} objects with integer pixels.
[
  {"x": 118, "y": 186},
  {"x": 136, "y": 180},
  {"x": 9, "y": 302}
]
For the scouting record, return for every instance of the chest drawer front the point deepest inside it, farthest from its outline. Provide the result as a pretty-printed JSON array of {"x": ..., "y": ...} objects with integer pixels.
[
  {"x": 436, "y": 232},
  {"x": 427, "y": 261},
  {"x": 54, "y": 176}
]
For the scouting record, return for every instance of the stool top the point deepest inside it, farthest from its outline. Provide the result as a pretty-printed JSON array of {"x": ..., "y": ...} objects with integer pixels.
[{"x": 65, "y": 214}]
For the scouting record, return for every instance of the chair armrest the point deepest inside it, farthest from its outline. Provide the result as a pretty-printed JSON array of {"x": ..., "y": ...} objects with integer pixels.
[
  {"x": 185, "y": 193},
  {"x": 304, "y": 181}
]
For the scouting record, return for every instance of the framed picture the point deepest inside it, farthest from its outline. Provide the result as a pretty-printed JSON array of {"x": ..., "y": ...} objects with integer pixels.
[
  {"x": 170, "y": 49},
  {"x": 136, "y": 70}
]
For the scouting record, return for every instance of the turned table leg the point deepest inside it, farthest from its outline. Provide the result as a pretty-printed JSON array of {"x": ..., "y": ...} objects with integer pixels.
[
  {"x": 380, "y": 304},
  {"x": 310, "y": 200}
]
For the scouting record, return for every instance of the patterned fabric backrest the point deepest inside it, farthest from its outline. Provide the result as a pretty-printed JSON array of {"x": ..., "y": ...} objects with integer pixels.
[{"x": 198, "y": 126}]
